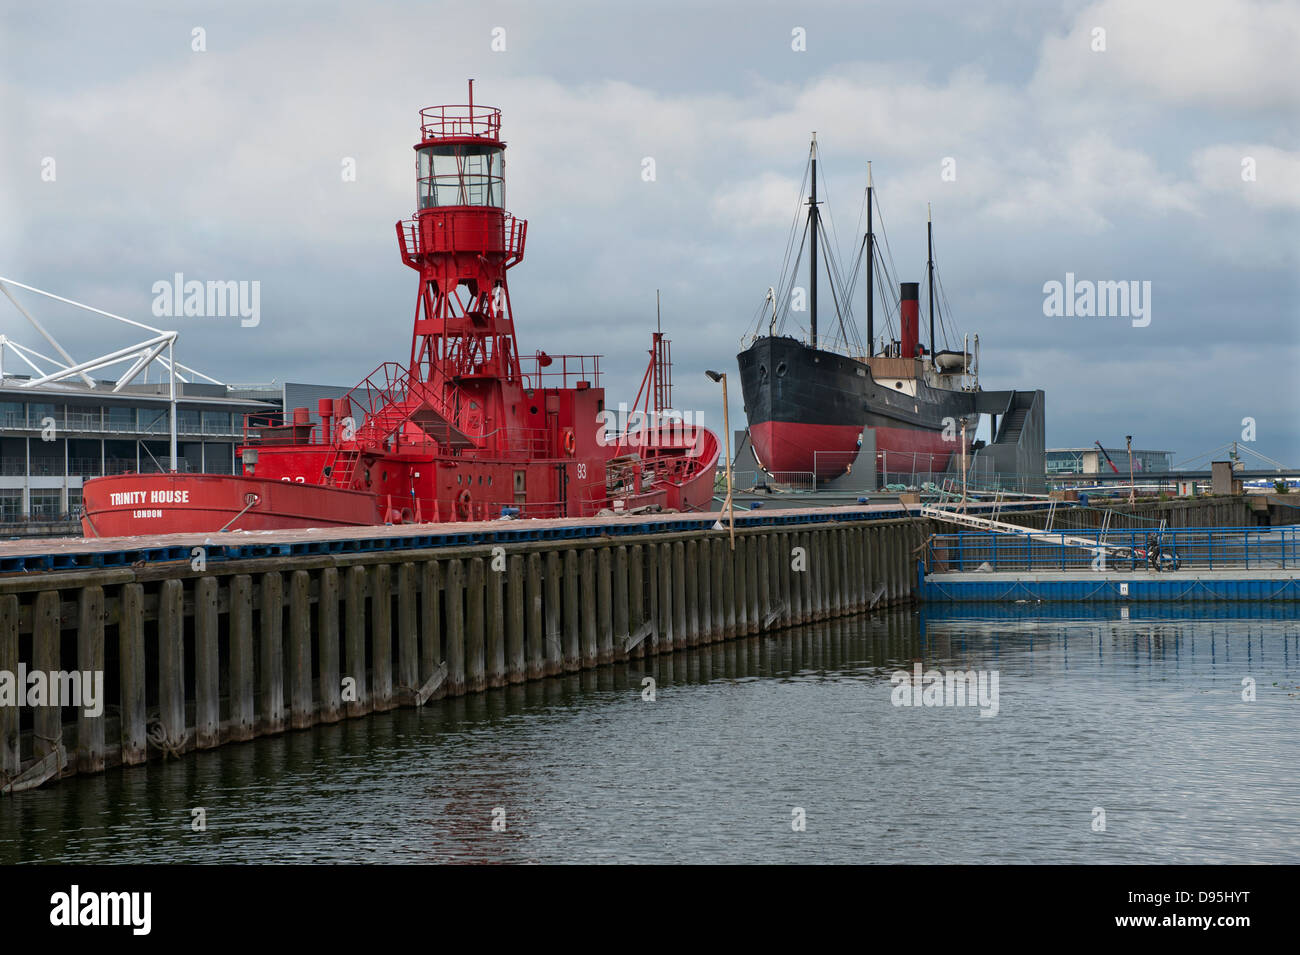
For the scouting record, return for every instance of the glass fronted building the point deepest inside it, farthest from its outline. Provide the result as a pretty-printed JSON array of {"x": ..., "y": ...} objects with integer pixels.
[
  {"x": 1091, "y": 461},
  {"x": 53, "y": 438}
]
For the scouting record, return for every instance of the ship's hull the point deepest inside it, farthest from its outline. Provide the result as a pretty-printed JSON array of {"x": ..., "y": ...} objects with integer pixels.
[
  {"x": 677, "y": 473},
  {"x": 807, "y": 409},
  {"x": 127, "y": 505}
]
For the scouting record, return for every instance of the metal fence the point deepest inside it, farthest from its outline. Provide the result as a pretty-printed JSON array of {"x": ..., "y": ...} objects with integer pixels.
[{"x": 1187, "y": 548}]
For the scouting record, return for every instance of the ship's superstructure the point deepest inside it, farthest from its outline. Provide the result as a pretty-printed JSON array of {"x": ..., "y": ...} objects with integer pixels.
[{"x": 466, "y": 428}]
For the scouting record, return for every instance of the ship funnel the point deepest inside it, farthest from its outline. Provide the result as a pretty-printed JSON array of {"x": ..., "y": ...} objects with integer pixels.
[{"x": 909, "y": 316}]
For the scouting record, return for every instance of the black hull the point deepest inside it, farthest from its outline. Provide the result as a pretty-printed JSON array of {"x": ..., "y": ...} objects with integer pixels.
[{"x": 807, "y": 407}]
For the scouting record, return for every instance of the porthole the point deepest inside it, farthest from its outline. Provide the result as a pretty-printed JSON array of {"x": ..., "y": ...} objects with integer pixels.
[
  {"x": 781, "y": 370},
  {"x": 762, "y": 372},
  {"x": 898, "y": 385}
]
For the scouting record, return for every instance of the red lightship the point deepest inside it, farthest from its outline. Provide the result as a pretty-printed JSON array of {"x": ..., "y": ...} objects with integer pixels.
[{"x": 467, "y": 428}]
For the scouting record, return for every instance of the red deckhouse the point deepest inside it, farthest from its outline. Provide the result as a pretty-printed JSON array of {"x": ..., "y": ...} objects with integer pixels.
[{"x": 466, "y": 426}]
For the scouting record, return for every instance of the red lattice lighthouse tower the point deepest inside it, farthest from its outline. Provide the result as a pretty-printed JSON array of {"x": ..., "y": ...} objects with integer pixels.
[{"x": 462, "y": 242}]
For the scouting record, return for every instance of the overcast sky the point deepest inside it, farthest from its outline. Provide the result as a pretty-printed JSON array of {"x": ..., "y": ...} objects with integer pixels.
[{"x": 1117, "y": 164}]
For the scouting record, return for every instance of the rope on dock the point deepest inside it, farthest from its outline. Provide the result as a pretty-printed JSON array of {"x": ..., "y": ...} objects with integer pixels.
[{"x": 158, "y": 738}]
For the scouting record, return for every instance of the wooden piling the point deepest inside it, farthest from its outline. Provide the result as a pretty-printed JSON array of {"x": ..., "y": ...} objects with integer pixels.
[
  {"x": 171, "y": 665},
  {"x": 572, "y": 628},
  {"x": 780, "y": 597},
  {"x": 553, "y": 610},
  {"x": 10, "y": 751},
  {"x": 242, "y": 717},
  {"x": 752, "y": 542},
  {"x": 680, "y": 638},
  {"x": 604, "y": 606},
  {"x": 667, "y": 612},
  {"x": 620, "y": 601},
  {"x": 475, "y": 648},
  {"x": 90, "y": 661},
  {"x": 408, "y": 630},
  {"x": 329, "y": 687},
  {"x": 131, "y": 674},
  {"x": 355, "y": 640},
  {"x": 729, "y": 588},
  {"x": 636, "y": 603},
  {"x": 590, "y": 641},
  {"x": 789, "y": 583},
  {"x": 453, "y": 599},
  {"x": 839, "y": 556},
  {"x": 822, "y": 573},
  {"x": 704, "y": 554},
  {"x": 430, "y": 622},
  {"x": 653, "y": 621},
  {"x": 207, "y": 663},
  {"x": 719, "y": 557},
  {"x": 535, "y": 631},
  {"x": 857, "y": 569},
  {"x": 301, "y": 706},
  {"x": 740, "y": 571},
  {"x": 494, "y": 623},
  {"x": 895, "y": 582},
  {"x": 516, "y": 611},
  {"x": 271, "y": 718},
  {"x": 690, "y": 572},
  {"x": 381, "y": 636}
]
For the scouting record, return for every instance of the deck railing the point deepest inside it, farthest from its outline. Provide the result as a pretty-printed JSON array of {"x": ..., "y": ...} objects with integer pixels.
[{"x": 1195, "y": 548}]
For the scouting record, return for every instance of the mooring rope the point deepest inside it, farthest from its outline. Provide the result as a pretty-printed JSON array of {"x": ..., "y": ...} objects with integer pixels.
[{"x": 159, "y": 739}]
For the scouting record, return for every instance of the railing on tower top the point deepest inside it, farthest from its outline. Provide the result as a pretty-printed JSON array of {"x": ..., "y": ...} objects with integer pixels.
[
  {"x": 448, "y": 122},
  {"x": 474, "y": 235},
  {"x": 559, "y": 371}
]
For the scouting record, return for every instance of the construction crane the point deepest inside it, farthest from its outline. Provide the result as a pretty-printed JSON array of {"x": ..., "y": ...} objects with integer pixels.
[{"x": 1106, "y": 456}]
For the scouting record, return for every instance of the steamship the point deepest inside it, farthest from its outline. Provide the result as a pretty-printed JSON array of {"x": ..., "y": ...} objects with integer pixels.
[{"x": 812, "y": 400}]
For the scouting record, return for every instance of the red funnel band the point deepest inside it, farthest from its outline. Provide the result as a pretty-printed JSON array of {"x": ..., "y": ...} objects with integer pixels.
[{"x": 909, "y": 314}]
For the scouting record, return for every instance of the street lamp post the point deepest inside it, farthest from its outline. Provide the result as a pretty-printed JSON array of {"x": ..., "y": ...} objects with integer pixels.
[
  {"x": 726, "y": 429},
  {"x": 1132, "y": 490}
]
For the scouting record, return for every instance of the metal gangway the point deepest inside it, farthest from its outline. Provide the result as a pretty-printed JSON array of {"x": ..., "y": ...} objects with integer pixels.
[{"x": 1095, "y": 545}]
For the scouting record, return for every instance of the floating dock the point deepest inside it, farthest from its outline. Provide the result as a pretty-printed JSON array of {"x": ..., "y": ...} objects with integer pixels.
[{"x": 1030, "y": 565}]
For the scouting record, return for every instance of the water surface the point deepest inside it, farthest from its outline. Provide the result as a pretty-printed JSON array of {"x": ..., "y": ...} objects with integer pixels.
[{"x": 1141, "y": 717}]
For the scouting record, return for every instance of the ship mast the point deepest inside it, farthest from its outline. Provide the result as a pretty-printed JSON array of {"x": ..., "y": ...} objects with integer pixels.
[
  {"x": 929, "y": 254},
  {"x": 871, "y": 322},
  {"x": 812, "y": 259}
]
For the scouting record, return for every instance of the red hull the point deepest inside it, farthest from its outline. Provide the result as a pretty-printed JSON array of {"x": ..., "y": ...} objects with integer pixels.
[
  {"x": 127, "y": 505},
  {"x": 795, "y": 447}
]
